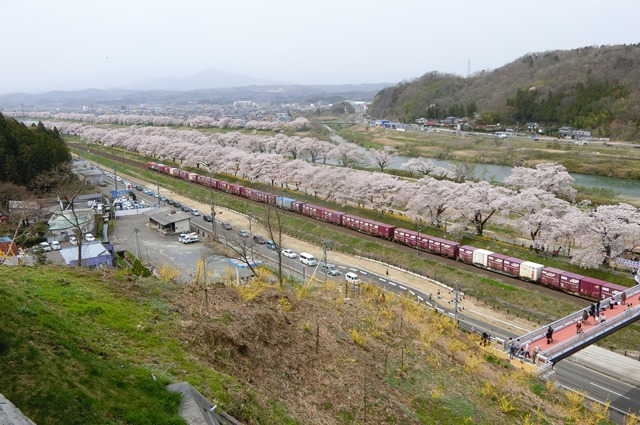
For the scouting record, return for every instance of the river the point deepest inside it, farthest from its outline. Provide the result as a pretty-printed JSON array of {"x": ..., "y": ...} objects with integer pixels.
[{"x": 497, "y": 173}]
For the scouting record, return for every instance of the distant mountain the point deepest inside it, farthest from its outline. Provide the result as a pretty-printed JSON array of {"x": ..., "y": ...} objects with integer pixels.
[
  {"x": 207, "y": 79},
  {"x": 259, "y": 94},
  {"x": 593, "y": 88}
]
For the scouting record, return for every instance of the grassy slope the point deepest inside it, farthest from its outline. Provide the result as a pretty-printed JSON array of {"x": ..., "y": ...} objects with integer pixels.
[
  {"x": 79, "y": 347},
  {"x": 75, "y": 351},
  {"x": 540, "y": 308}
]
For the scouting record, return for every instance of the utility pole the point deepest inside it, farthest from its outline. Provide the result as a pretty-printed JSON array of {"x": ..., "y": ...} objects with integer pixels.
[
  {"x": 455, "y": 303},
  {"x": 418, "y": 229},
  {"x": 213, "y": 207},
  {"x": 250, "y": 215},
  {"x": 115, "y": 180},
  {"x": 137, "y": 232},
  {"x": 325, "y": 248}
]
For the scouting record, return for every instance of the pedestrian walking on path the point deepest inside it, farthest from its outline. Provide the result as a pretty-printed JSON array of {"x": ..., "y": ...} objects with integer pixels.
[
  {"x": 579, "y": 327},
  {"x": 549, "y": 335},
  {"x": 602, "y": 318}
]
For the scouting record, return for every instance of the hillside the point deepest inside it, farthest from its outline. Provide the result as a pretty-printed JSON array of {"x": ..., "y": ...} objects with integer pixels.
[
  {"x": 80, "y": 347},
  {"x": 594, "y": 88}
]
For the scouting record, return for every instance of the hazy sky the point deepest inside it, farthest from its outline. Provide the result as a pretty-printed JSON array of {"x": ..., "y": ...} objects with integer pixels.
[{"x": 73, "y": 44}]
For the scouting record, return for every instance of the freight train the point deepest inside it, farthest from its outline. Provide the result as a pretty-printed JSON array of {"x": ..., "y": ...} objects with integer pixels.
[{"x": 514, "y": 267}]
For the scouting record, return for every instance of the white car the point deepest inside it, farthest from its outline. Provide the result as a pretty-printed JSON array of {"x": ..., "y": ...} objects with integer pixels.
[
  {"x": 89, "y": 237},
  {"x": 55, "y": 245},
  {"x": 73, "y": 240},
  {"x": 45, "y": 247},
  {"x": 289, "y": 253}
]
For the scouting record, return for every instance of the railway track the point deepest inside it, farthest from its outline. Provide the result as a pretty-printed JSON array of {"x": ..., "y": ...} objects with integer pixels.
[{"x": 542, "y": 290}]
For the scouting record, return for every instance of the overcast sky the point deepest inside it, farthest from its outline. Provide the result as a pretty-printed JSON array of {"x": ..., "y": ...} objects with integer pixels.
[{"x": 74, "y": 44}]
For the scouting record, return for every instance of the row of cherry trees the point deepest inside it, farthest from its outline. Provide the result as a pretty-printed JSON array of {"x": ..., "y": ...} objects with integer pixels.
[
  {"x": 538, "y": 202},
  {"x": 300, "y": 123}
]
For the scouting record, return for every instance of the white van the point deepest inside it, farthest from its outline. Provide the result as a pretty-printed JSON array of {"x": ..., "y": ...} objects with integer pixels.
[
  {"x": 352, "y": 278},
  {"x": 188, "y": 237},
  {"x": 308, "y": 259}
]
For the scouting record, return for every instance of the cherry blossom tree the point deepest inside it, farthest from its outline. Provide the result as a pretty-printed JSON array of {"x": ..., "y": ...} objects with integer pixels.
[
  {"x": 461, "y": 171},
  {"x": 539, "y": 213},
  {"x": 383, "y": 158},
  {"x": 605, "y": 234},
  {"x": 476, "y": 202},
  {"x": 347, "y": 156},
  {"x": 432, "y": 198},
  {"x": 419, "y": 165},
  {"x": 551, "y": 177}
]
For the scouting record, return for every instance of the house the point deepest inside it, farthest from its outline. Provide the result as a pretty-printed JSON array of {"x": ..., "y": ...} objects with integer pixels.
[
  {"x": 169, "y": 221},
  {"x": 94, "y": 254},
  {"x": 30, "y": 212},
  {"x": 63, "y": 224},
  {"x": 7, "y": 247}
]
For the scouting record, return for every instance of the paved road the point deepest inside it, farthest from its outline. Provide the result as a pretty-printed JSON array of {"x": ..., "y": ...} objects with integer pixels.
[{"x": 598, "y": 368}]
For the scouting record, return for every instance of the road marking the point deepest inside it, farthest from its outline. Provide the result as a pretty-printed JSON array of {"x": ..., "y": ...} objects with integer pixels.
[
  {"x": 402, "y": 287},
  {"x": 420, "y": 298},
  {"x": 412, "y": 293},
  {"x": 381, "y": 279},
  {"x": 607, "y": 389},
  {"x": 391, "y": 283},
  {"x": 363, "y": 272}
]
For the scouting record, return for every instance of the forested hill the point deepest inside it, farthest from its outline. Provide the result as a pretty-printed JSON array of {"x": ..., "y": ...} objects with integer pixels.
[
  {"x": 25, "y": 152},
  {"x": 592, "y": 88}
]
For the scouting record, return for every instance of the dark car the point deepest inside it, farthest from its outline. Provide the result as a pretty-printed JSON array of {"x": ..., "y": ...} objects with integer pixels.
[
  {"x": 207, "y": 218},
  {"x": 177, "y": 204},
  {"x": 259, "y": 239},
  {"x": 185, "y": 208},
  {"x": 138, "y": 187}
]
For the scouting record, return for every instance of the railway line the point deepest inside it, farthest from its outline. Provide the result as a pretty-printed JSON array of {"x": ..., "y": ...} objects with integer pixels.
[{"x": 468, "y": 286}]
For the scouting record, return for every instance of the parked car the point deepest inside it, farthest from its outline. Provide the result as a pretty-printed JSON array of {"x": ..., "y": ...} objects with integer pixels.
[
  {"x": 259, "y": 239},
  {"x": 207, "y": 218},
  {"x": 195, "y": 212},
  {"x": 226, "y": 226},
  {"x": 89, "y": 237},
  {"x": 188, "y": 237},
  {"x": 329, "y": 269},
  {"x": 73, "y": 240},
  {"x": 185, "y": 208},
  {"x": 55, "y": 245},
  {"x": 138, "y": 187},
  {"x": 289, "y": 253},
  {"x": 45, "y": 247},
  {"x": 243, "y": 233}
]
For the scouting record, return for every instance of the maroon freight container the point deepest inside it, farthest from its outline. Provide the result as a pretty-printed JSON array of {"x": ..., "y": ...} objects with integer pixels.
[
  {"x": 465, "y": 254},
  {"x": 184, "y": 175},
  {"x": 407, "y": 237},
  {"x": 511, "y": 265},
  {"x": 434, "y": 244},
  {"x": 297, "y": 206},
  {"x": 551, "y": 276},
  {"x": 236, "y": 189},
  {"x": 571, "y": 281},
  {"x": 449, "y": 248},
  {"x": 496, "y": 261},
  {"x": 322, "y": 213},
  {"x": 423, "y": 241},
  {"x": 371, "y": 227},
  {"x": 592, "y": 287},
  {"x": 610, "y": 289}
]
